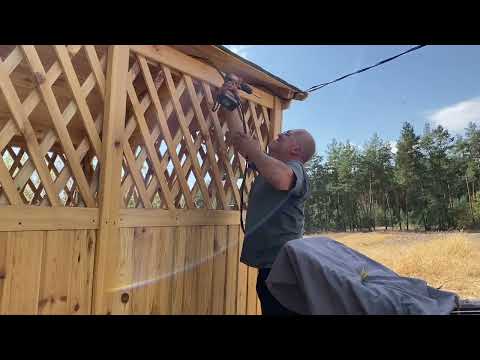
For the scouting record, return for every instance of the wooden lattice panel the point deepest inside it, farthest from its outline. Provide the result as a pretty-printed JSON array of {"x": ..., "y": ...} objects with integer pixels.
[
  {"x": 51, "y": 109},
  {"x": 176, "y": 152}
]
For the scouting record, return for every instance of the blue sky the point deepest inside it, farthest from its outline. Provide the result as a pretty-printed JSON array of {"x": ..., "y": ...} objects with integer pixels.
[{"x": 439, "y": 84}]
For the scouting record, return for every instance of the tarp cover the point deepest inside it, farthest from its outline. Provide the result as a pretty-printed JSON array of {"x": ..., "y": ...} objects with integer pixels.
[{"x": 320, "y": 276}]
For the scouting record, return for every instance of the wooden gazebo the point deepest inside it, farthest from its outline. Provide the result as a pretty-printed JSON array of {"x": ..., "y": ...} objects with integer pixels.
[{"x": 119, "y": 190}]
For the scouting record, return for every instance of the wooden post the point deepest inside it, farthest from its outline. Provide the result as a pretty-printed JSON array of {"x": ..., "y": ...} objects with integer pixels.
[
  {"x": 276, "y": 118},
  {"x": 109, "y": 191}
]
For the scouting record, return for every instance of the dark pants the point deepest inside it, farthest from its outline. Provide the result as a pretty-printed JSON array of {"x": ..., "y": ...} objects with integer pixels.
[{"x": 270, "y": 305}]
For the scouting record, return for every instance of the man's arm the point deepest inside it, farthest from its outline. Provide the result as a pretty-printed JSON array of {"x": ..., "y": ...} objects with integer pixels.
[
  {"x": 233, "y": 120},
  {"x": 276, "y": 172}
]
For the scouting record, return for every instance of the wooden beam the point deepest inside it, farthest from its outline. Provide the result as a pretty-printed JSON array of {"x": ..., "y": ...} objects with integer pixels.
[
  {"x": 199, "y": 70},
  {"x": 178, "y": 217},
  {"x": 109, "y": 191},
  {"x": 29, "y": 218},
  {"x": 231, "y": 64},
  {"x": 276, "y": 119}
]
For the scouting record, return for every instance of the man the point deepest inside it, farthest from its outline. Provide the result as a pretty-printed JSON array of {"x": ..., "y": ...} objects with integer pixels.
[{"x": 275, "y": 212}]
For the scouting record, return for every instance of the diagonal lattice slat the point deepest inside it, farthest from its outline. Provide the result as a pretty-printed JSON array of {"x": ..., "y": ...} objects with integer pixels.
[
  {"x": 24, "y": 126},
  {"x": 42, "y": 93},
  {"x": 258, "y": 133},
  {"x": 220, "y": 134},
  {"x": 74, "y": 84},
  {"x": 8, "y": 186},
  {"x": 49, "y": 98},
  {"x": 210, "y": 149},
  {"x": 146, "y": 101},
  {"x": 168, "y": 109},
  {"x": 98, "y": 68},
  {"x": 137, "y": 179},
  {"x": 149, "y": 143},
  {"x": 186, "y": 134},
  {"x": 176, "y": 150},
  {"x": 84, "y": 147},
  {"x": 51, "y": 137},
  {"x": 162, "y": 122}
]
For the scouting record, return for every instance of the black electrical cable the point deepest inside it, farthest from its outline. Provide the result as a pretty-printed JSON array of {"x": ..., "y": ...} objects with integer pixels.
[
  {"x": 244, "y": 178},
  {"x": 242, "y": 190},
  {"x": 316, "y": 87}
]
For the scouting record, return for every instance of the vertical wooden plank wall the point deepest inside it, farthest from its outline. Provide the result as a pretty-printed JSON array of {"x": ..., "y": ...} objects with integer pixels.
[
  {"x": 46, "y": 272},
  {"x": 190, "y": 270}
]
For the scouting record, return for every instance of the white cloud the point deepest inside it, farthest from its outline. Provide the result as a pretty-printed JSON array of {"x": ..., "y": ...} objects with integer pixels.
[
  {"x": 457, "y": 116},
  {"x": 240, "y": 50},
  {"x": 393, "y": 146}
]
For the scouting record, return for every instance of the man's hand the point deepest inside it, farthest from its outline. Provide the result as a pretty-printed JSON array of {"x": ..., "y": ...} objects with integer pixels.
[
  {"x": 246, "y": 145},
  {"x": 229, "y": 86}
]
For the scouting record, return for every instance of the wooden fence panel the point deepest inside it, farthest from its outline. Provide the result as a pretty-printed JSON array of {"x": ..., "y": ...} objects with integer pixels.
[
  {"x": 46, "y": 272},
  {"x": 119, "y": 188}
]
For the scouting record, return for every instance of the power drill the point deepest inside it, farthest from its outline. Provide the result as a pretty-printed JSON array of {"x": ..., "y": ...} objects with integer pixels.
[{"x": 228, "y": 99}]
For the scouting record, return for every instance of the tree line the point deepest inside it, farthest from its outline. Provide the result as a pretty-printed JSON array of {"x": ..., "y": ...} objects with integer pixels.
[{"x": 430, "y": 183}]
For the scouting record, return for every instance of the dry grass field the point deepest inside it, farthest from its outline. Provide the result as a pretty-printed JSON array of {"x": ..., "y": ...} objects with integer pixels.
[{"x": 450, "y": 260}]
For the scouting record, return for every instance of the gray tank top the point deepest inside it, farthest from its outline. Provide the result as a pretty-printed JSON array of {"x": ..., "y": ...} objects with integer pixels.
[{"x": 273, "y": 218}]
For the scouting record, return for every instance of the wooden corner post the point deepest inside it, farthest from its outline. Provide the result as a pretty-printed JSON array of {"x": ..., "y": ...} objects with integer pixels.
[
  {"x": 110, "y": 173},
  {"x": 276, "y": 118}
]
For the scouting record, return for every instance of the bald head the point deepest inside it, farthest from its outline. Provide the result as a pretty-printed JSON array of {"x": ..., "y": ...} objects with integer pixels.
[
  {"x": 293, "y": 144},
  {"x": 307, "y": 144}
]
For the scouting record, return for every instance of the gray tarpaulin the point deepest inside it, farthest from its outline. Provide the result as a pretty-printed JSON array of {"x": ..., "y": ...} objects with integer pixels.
[{"x": 320, "y": 276}]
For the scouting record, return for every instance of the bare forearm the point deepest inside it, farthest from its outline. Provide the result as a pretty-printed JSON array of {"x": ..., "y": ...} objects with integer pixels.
[
  {"x": 276, "y": 172},
  {"x": 234, "y": 122}
]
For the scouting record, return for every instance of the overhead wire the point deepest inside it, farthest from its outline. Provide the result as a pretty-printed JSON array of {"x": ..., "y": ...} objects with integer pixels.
[{"x": 319, "y": 86}]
